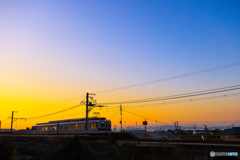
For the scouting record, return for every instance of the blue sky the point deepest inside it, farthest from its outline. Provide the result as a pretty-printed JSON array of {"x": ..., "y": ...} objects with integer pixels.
[{"x": 50, "y": 48}]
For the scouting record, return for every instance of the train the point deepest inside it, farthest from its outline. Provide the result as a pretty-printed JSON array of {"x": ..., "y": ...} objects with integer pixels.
[{"x": 96, "y": 125}]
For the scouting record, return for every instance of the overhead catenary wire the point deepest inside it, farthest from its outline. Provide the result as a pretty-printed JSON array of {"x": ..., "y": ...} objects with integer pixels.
[
  {"x": 192, "y": 94},
  {"x": 59, "y": 116},
  {"x": 183, "y": 101},
  {"x": 55, "y": 112},
  {"x": 174, "y": 77},
  {"x": 145, "y": 117},
  {"x": 9, "y": 117},
  {"x": 52, "y": 104},
  {"x": 159, "y": 98},
  {"x": 114, "y": 115},
  {"x": 5, "y": 119},
  {"x": 165, "y": 103},
  {"x": 176, "y": 102},
  {"x": 147, "y": 113},
  {"x": 115, "y": 110},
  {"x": 42, "y": 117},
  {"x": 146, "y": 83}
]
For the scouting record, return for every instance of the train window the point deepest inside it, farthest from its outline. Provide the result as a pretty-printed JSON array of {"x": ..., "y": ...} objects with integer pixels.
[
  {"x": 72, "y": 126},
  {"x": 45, "y": 128},
  {"x": 60, "y": 127},
  {"x": 93, "y": 125},
  {"x": 79, "y": 126},
  {"x": 41, "y": 128},
  {"x": 66, "y": 127},
  {"x": 106, "y": 125},
  {"x": 53, "y": 128},
  {"x": 102, "y": 124},
  {"x": 109, "y": 124}
]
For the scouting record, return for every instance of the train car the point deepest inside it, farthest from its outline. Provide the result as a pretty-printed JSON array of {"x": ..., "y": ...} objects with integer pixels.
[{"x": 73, "y": 126}]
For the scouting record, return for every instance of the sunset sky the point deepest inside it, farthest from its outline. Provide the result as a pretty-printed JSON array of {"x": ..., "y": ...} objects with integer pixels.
[{"x": 53, "y": 52}]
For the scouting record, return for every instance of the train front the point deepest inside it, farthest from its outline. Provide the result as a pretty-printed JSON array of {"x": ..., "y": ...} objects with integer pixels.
[{"x": 104, "y": 126}]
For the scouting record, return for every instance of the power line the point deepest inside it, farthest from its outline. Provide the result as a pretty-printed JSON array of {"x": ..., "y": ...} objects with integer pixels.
[
  {"x": 175, "y": 102},
  {"x": 6, "y": 119},
  {"x": 114, "y": 115},
  {"x": 145, "y": 117},
  {"x": 189, "y": 100},
  {"x": 149, "y": 114},
  {"x": 174, "y": 77},
  {"x": 146, "y": 83},
  {"x": 165, "y": 103},
  {"x": 138, "y": 115},
  {"x": 52, "y": 103},
  {"x": 115, "y": 110},
  {"x": 55, "y": 112},
  {"x": 41, "y": 117},
  {"x": 61, "y": 116},
  {"x": 199, "y": 93}
]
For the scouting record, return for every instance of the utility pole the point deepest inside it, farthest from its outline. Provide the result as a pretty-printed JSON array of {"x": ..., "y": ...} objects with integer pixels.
[
  {"x": 86, "y": 124},
  {"x": 12, "y": 121},
  {"x": 89, "y": 106},
  {"x": 0, "y": 125},
  {"x": 121, "y": 116}
]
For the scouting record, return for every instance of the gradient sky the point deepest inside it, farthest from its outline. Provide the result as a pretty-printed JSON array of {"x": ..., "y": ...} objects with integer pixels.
[{"x": 51, "y": 51}]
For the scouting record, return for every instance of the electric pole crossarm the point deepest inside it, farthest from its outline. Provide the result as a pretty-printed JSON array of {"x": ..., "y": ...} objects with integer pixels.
[{"x": 15, "y": 119}]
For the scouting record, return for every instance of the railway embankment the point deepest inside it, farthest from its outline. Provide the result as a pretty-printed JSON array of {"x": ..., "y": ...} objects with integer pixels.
[{"x": 101, "y": 147}]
